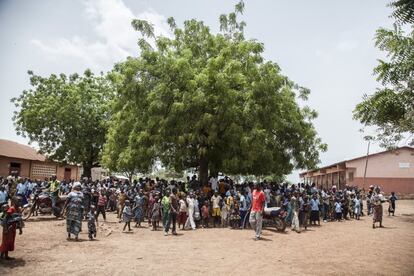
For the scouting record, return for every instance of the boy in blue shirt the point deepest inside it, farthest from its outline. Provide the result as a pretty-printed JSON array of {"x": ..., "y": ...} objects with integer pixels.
[{"x": 314, "y": 217}]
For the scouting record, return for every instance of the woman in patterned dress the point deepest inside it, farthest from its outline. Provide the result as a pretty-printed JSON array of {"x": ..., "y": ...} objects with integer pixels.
[
  {"x": 74, "y": 211},
  {"x": 11, "y": 222},
  {"x": 377, "y": 210},
  {"x": 138, "y": 212}
]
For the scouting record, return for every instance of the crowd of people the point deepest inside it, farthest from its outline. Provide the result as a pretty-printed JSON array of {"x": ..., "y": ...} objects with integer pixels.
[{"x": 187, "y": 205}]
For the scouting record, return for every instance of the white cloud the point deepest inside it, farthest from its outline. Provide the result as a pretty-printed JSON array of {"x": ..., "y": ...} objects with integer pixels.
[
  {"x": 110, "y": 21},
  {"x": 347, "y": 45}
]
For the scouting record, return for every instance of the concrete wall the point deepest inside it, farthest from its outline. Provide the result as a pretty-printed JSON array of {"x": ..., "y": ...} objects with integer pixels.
[
  {"x": 52, "y": 167},
  {"x": 26, "y": 165},
  {"x": 5, "y": 166},
  {"x": 388, "y": 185},
  {"x": 98, "y": 173},
  {"x": 392, "y": 171},
  {"x": 74, "y": 172},
  {"x": 385, "y": 165}
]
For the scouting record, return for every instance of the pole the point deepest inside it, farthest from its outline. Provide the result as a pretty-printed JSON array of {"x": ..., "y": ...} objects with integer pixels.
[{"x": 366, "y": 166}]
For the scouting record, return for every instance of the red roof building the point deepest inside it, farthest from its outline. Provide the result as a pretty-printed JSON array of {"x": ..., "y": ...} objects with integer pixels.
[{"x": 24, "y": 161}]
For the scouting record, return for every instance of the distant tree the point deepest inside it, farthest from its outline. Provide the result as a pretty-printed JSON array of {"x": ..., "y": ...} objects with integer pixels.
[
  {"x": 210, "y": 101},
  {"x": 67, "y": 116},
  {"x": 391, "y": 107}
]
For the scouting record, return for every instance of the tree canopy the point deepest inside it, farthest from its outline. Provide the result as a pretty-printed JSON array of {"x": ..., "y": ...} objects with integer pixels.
[
  {"x": 208, "y": 101},
  {"x": 67, "y": 116},
  {"x": 391, "y": 107}
]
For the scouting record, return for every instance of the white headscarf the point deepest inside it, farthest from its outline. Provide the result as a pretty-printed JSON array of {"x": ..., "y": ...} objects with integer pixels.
[{"x": 76, "y": 184}]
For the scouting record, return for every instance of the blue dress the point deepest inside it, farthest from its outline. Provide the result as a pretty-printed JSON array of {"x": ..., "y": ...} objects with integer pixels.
[
  {"x": 74, "y": 213},
  {"x": 289, "y": 211},
  {"x": 127, "y": 214},
  {"x": 138, "y": 202}
]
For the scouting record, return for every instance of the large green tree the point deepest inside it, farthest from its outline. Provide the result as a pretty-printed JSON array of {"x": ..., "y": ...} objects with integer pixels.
[
  {"x": 128, "y": 149},
  {"x": 391, "y": 107},
  {"x": 67, "y": 116},
  {"x": 210, "y": 101}
]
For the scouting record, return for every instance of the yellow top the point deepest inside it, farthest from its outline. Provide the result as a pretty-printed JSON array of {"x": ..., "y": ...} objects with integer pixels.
[{"x": 54, "y": 186}]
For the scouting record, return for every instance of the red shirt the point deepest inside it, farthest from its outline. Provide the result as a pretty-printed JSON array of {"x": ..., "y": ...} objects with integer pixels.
[
  {"x": 102, "y": 200},
  {"x": 205, "y": 211},
  {"x": 258, "y": 200},
  {"x": 9, "y": 234}
]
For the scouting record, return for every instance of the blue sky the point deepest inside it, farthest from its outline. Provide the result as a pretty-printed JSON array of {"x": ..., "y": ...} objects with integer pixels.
[{"x": 327, "y": 46}]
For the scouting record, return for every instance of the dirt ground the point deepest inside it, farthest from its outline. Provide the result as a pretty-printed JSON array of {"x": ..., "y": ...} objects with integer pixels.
[{"x": 335, "y": 248}]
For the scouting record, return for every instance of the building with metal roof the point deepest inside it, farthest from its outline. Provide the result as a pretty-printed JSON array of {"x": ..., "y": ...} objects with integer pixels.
[
  {"x": 24, "y": 161},
  {"x": 392, "y": 170}
]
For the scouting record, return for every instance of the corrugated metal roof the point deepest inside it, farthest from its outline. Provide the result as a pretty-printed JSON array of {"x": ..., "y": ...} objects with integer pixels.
[{"x": 15, "y": 150}]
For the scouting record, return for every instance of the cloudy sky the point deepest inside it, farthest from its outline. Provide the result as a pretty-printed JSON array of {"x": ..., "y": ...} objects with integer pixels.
[{"x": 326, "y": 46}]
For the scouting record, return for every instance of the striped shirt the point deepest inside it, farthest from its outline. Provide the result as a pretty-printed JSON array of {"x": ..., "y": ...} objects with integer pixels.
[{"x": 102, "y": 200}]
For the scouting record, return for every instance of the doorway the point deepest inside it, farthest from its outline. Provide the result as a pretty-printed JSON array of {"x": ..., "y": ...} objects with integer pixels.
[
  {"x": 68, "y": 174},
  {"x": 14, "y": 169}
]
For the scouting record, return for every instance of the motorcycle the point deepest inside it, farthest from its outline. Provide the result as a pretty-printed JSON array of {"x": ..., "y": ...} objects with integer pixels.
[
  {"x": 272, "y": 216},
  {"x": 41, "y": 202},
  {"x": 275, "y": 216}
]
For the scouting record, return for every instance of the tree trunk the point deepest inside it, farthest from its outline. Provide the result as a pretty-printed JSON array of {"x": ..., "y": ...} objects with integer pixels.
[
  {"x": 203, "y": 170},
  {"x": 87, "y": 169}
]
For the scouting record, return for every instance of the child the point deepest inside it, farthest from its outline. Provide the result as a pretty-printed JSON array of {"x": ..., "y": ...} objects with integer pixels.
[
  {"x": 314, "y": 203},
  {"x": 357, "y": 207},
  {"x": 91, "y": 223},
  {"x": 138, "y": 214},
  {"x": 242, "y": 208},
  {"x": 182, "y": 215},
  {"x": 197, "y": 215},
  {"x": 112, "y": 201},
  {"x": 234, "y": 215},
  {"x": 127, "y": 215},
  {"x": 216, "y": 201},
  {"x": 391, "y": 207},
  {"x": 101, "y": 205},
  {"x": 165, "y": 203},
  {"x": 121, "y": 203},
  {"x": 369, "y": 204},
  {"x": 331, "y": 208},
  {"x": 361, "y": 196},
  {"x": 230, "y": 200},
  {"x": 11, "y": 221},
  {"x": 3, "y": 212},
  {"x": 304, "y": 208},
  {"x": 155, "y": 213},
  {"x": 352, "y": 206},
  {"x": 151, "y": 202},
  {"x": 338, "y": 210},
  {"x": 205, "y": 213},
  {"x": 345, "y": 206},
  {"x": 224, "y": 216}
]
